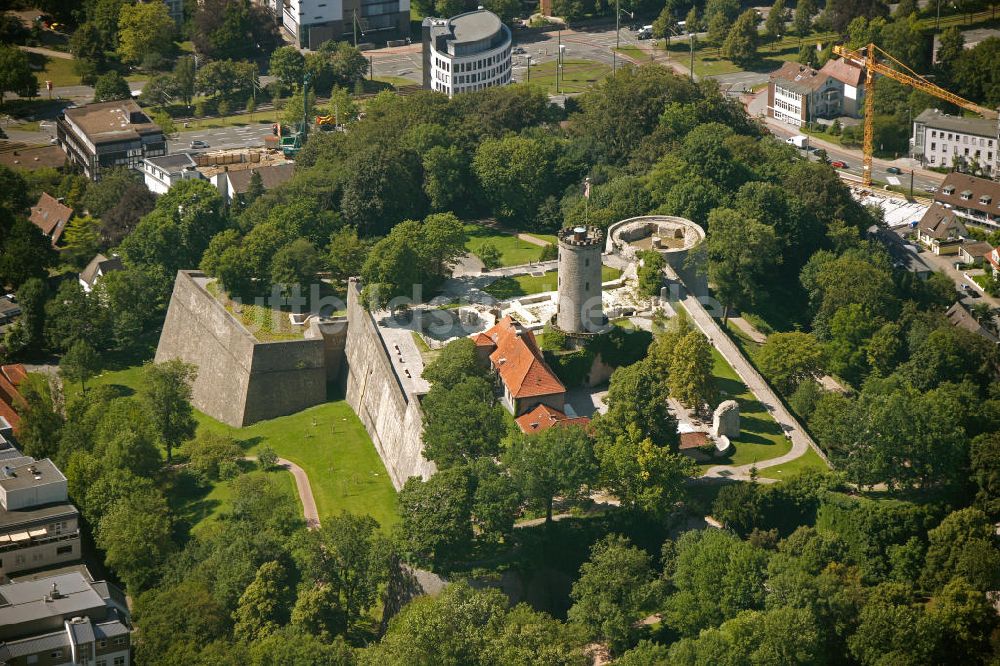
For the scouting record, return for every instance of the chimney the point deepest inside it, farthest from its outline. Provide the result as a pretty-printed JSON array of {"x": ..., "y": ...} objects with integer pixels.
[{"x": 580, "y": 233}]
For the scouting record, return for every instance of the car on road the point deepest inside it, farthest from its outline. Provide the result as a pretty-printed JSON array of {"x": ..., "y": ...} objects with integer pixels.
[
  {"x": 894, "y": 171},
  {"x": 930, "y": 189},
  {"x": 837, "y": 164},
  {"x": 518, "y": 51},
  {"x": 198, "y": 143}
]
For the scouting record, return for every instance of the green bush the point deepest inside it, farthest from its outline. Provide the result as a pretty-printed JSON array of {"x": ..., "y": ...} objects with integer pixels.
[{"x": 572, "y": 367}]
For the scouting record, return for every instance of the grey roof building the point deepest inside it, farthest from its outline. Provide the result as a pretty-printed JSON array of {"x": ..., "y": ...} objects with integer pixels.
[
  {"x": 972, "y": 144},
  {"x": 467, "y": 52},
  {"x": 66, "y": 618},
  {"x": 109, "y": 134}
]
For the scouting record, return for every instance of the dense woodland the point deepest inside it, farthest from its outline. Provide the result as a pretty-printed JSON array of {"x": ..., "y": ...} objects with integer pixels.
[{"x": 887, "y": 559}]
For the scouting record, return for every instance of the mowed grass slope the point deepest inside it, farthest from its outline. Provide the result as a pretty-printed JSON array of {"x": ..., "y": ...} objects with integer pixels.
[
  {"x": 760, "y": 436},
  {"x": 328, "y": 441},
  {"x": 514, "y": 251}
]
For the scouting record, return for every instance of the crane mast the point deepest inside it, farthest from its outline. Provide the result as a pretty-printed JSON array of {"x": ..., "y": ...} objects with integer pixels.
[{"x": 869, "y": 59}]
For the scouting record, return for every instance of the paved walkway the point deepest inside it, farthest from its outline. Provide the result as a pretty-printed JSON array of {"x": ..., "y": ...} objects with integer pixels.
[
  {"x": 749, "y": 329},
  {"x": 304, "y": 489},
  {"x": 51, "y": 53},
  {"x": 801, "y": 441}
]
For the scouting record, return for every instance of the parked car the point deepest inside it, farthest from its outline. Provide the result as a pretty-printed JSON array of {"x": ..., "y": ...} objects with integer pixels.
[
  {"x": 518, "y": 51},
  {"x": 930, "y": 189},
  {"x": 198, "y": 143},
  {"x": 838, "y": 164},
  {"x": 894, "y": 171}
]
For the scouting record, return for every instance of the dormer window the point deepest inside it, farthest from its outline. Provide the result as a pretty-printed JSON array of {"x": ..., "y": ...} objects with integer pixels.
[
  {"x": 949, "y": 190},
  {"x": 966, "y": 194},
  {"x": 985, "y": 199}
]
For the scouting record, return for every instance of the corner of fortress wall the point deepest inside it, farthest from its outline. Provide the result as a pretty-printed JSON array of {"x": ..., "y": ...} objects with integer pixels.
[
  {"x": 391, "y": 416},
  {"x": 240, "y": 380}
]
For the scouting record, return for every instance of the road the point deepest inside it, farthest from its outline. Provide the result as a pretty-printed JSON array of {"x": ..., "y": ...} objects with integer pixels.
[
  {"x": 218, "y": 138},
  {"x": 923, "y": 178}
]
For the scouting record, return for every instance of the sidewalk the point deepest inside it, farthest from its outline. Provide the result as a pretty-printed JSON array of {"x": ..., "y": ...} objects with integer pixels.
[{"x": 801, "y": 441}]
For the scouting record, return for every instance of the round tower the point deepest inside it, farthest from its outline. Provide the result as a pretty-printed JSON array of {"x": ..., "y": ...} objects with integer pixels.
[{"x": 579, "y": 310}]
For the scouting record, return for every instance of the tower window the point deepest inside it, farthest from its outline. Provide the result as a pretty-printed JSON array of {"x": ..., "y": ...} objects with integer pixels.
[
  {"x": 586, "y": 286},
  {"x": 586, "y": 262}
]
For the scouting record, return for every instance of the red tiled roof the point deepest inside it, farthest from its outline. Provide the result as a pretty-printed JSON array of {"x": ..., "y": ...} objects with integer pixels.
[
  {"x": 50, "y": 216},
  {"x": 10, "y": 377},
  {"x": 844, "y": 71},
  {"x": 519, "y": 362},
  {"x": 544, "y": 417},
  {"x": 693, "y": 440}
]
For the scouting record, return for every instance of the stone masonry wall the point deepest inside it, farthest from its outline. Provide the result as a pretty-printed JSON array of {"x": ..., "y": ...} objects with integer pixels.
[
  {"x": 391, "y": 416},
  {"x": 240, "y": 380}
]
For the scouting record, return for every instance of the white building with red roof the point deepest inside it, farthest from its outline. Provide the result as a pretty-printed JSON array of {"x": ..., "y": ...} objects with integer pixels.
[{"x": 531, "y": 390}]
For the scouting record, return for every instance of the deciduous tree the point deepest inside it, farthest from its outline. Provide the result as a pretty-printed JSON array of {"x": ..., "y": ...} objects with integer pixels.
[
  {"x": 166, "y": 394},
  {"x": 144, "y": 29}
]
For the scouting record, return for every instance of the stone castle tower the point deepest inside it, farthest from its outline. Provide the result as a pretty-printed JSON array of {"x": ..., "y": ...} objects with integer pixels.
[{"x": 579, "y": 309}]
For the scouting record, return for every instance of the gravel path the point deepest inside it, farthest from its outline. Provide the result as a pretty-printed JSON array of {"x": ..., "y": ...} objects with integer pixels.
[{"x": 304, "y": 489}]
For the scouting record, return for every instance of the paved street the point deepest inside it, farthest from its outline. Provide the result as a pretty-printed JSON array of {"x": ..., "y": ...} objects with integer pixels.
[
  {"x": 221, "y": 137},
  {"x": 853, "y": 158}
]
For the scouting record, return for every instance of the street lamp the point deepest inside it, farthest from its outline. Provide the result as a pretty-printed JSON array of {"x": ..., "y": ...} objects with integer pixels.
[
  {"x": 528, "y": 72},
  {"x": 691, "y": 36},
  {"x": 618, "y": 34},
  {"x": 561, "y": 73}
]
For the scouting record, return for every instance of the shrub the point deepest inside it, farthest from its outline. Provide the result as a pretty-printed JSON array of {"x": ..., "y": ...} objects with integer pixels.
[{"x": 266, "y": 457}]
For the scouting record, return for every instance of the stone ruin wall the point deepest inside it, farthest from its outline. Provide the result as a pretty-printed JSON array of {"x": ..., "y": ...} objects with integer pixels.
[{"x": 391, "y": 416}]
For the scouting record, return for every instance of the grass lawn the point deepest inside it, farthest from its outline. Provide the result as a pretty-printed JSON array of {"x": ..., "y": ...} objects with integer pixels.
[
  {"x": 202, "y": 510},
  {"x": 327, "y": 441},
  {"x": 634, "y": 52},
  {"x": 577, "y": 75},
  {"x": 513, "y": 250},
  {"x": 57, "y": 70},
  {"x": 237, "y": 119},
  {"x": 396, "y": 81},
  {"x": 806, "y": 462},
  {"x": 524, "y": 285},
  {"x": 760, "y": 437},
  {"x": 264, "y": 323}
]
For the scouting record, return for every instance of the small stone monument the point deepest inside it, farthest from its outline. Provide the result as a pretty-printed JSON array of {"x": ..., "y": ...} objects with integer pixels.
[{"x": 726, "y": 420}]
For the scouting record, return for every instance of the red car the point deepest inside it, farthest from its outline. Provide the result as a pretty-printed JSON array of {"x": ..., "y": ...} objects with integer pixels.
[{"x": 838, "y": 165}]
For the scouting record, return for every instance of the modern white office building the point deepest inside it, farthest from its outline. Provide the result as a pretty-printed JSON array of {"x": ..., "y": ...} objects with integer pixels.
[
  {"x": 312, "y": 22},
  {"x": 467, "y": 52},
  {"x": 968, "y": 144}
]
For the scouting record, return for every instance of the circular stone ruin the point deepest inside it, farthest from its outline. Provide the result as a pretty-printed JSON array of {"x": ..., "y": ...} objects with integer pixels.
[{"x": 673, "y": 237}]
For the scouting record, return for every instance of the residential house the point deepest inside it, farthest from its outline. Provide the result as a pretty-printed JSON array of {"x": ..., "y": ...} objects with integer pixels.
[
  {"x": 98, "y": 267},
  {"x": 51, "y": 216},
  {"x": 960, "y": 317},
  {"x": 941, "y": 231},
  {"x": 544, "y": 417},
  {"x": 973, "y": 199},
  {"x": 526, "y": 378},
  {"x": 105, "y": 135},
  {"x": 992, "y": 262},
  {"x": 39, "y": 528},
  {"x": 904, "y": 255},
  {"x": 160, "y": 173},
  {"x": 235, "y": 183},
  {"x": 969, "y": 144},
  {"x": 66, "y": 618},
  {"x": 798, "y": 95},
  {"x": 974, "y": 252}
]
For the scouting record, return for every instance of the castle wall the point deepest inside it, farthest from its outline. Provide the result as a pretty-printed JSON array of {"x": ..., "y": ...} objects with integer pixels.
[
  {"x": 240, "y": 380},
  {"x": 391, "y": 416}
]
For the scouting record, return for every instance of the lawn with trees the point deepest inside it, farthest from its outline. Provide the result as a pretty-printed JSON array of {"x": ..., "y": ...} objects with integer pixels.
[{"x": 889, "y": 559}]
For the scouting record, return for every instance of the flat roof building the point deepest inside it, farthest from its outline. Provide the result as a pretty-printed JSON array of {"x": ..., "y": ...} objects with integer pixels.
[
  {"x": 310, "y": 23},
  {"x": 39, "y": 527},
  {"x": 109, "y": 134},
  {"x": 66, "y": 618},
  {"x": 467, "y": 52},
  {"x": 966, "y": 144}
]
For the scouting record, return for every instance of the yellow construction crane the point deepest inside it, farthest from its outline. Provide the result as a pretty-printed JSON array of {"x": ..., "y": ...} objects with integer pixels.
[{"x": 868, "y": 58}]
